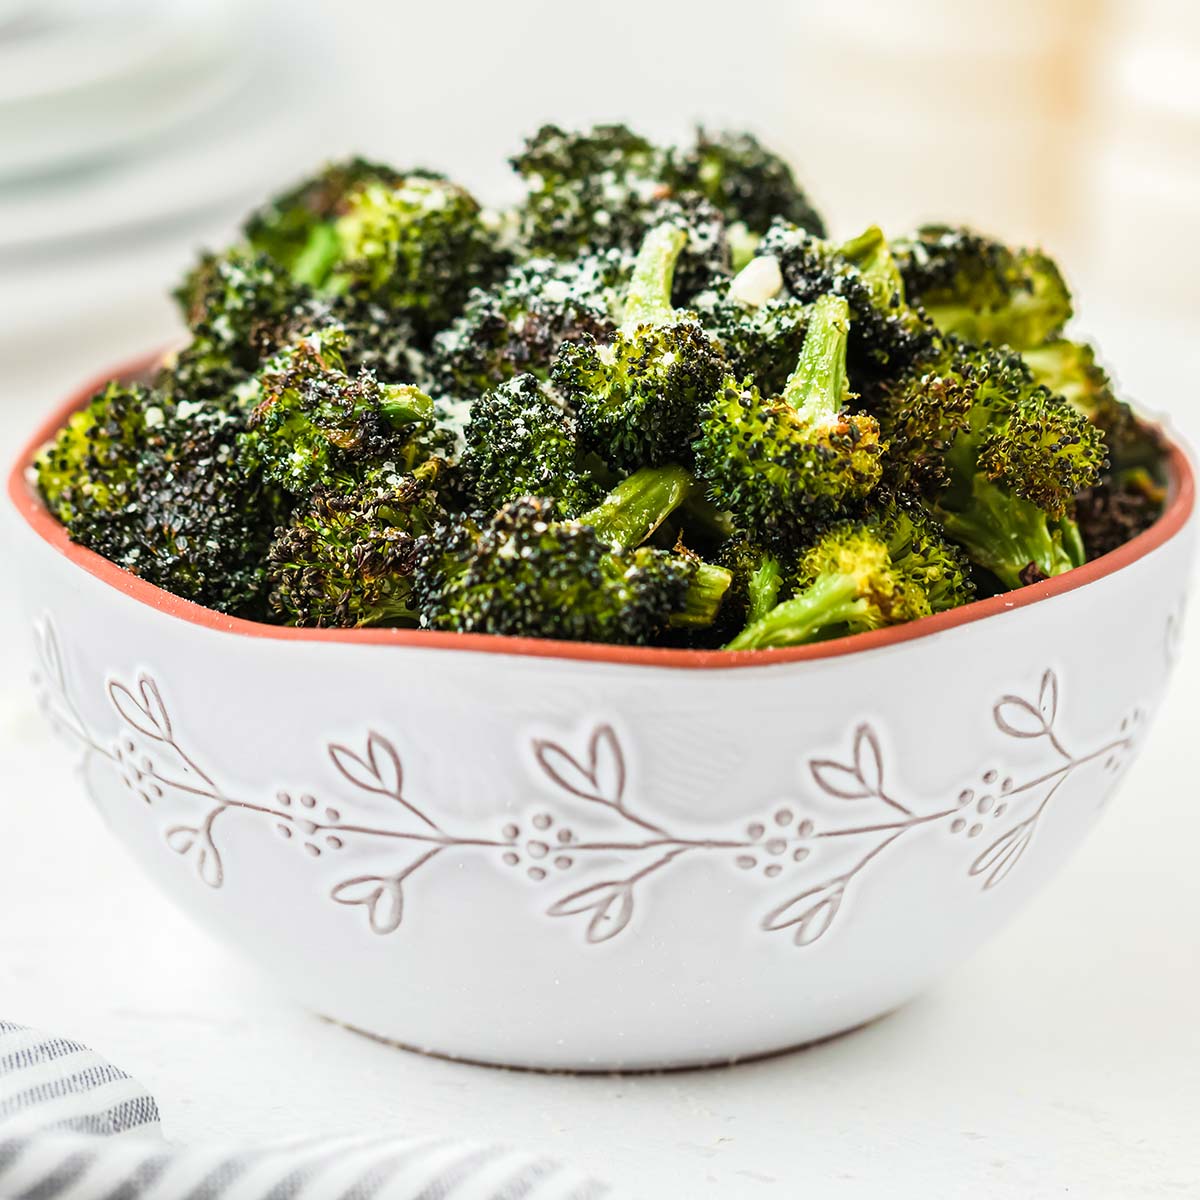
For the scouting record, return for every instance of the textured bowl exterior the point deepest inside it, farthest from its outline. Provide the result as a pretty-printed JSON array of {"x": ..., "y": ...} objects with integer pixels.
[{"x": 573, "y": 862}]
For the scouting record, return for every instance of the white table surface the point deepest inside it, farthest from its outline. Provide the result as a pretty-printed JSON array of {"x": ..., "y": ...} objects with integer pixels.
[{"x": 1062, "y": 1060}]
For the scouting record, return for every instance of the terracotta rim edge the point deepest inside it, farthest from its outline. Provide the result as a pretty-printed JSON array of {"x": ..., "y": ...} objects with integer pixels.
[{"x": 35, "y": 514}]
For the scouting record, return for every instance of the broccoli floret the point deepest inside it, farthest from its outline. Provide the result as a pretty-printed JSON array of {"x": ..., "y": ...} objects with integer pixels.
[
  {"x": 520, "y": 324},
  {"x": 981, "y": 289},
  {"x": 890, "y": 567},
  {"x": 888, "y": 334},
  {"x": 242, "y": 308},
  {"x": 313, "y": 425},
  {"x": 522, "y": 441},
  {"x": 705, "y": 261},
  {"x": 779, "y": 464},
  {"x": 296, "y": 227},
  {"x": 637, "y": 397},
  {"x": 760, "y": 328},
  {"x": 587, "y": 190},
  {"x": 419, "y": 246},
  {"x": 347, "y": 559},
  {"x": 526, "y": 572},
  {"x": 757, "y": 579},
  {"x": 1122, "y": 505},
  {"x": 1070, "y": 370},
  {"x": 999, "y": 457},
  {"x": 745, "y": 180},
  {"x": 156, "y": 489},
  {"x": 92, "y": 463}
]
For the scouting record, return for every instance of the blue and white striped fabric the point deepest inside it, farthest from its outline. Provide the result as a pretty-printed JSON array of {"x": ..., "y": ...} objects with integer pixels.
[{"x": 74, "y": 1127}]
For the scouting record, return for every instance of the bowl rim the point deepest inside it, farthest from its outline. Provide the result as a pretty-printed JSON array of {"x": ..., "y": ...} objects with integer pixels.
[{"x": 32, "y": 509}]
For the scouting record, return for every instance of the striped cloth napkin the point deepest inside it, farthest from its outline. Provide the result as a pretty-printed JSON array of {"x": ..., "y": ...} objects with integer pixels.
[{"x": 74, "y": 1127}]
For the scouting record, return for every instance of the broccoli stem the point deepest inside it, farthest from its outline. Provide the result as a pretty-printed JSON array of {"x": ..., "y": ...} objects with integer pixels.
[
  {"x": 1009, "y": 536},
  {"x": 319, "y": 256},
  {"x": 829, "y": 603},
  {"x": 818, "y": 388},
  {"x": 705, "y": 592},
  {"x": 402, "y": 404},
  {"x": 872, "y": 255},
  {"x": 637, "y": 506},
  {"x": 762, "y": 589},
  {"x": 648, "y": 297}
]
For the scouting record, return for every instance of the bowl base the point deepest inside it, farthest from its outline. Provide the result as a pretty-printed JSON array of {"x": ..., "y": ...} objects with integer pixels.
[{"x": 673, "y": 1068}]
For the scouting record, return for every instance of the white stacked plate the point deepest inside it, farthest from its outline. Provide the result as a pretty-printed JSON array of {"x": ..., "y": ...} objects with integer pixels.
[{"x": 125, "y": 122}]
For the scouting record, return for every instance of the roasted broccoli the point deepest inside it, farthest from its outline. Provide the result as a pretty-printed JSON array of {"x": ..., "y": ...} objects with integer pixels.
[
  {"x": 637, "y": 396},
  {"x": 649, "y": 403},
  {"x": 745, "y": 180},
  {"x": 347, "y": 558},
  {"x": 296, "y": 227},
  {"x": 781, "y": 463},
  {"x": 526, "y": 572},
  {"x": 519, "y": 325},
  {"x": 983, "y": 290},
  {"x": 999, "y": 456},
  {"x": 157, "y": 489},
  {"x": 313, "y": 425},
  {"x": 888, "y": 333},
  {"x": 522, "y": 441},
  {"x": 889, "y": 567}
]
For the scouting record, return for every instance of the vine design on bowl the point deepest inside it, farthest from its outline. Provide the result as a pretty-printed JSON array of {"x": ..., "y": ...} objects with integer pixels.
[{"x": 155, "y": 765}]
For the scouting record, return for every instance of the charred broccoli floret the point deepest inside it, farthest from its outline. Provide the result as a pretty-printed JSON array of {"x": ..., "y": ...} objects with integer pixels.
[
  {"x": 1000, "y": 457},
  {"x": 888, "y": 333},
  {"x": 419, "y": 246},
  {"x": 156, "y": 489},
  {"x": 745, "y": 180},
  {"x": 1070, "y": 370},
  {"x": 587, "y": 190},
  {"x": 526, "y": 572},
  {"x": 522, "y": 441},
  {"x": 347, "y": 559},
  {"x": 637, "y": 397},
  {"x": 313, "y": 425},
  {"x": 518, "y": 325},
  {"x": 981, "y": 289},
  {"x": 890, "y": 567},
  {"x": 296, "y": 227},
  {"x": 781, "y": 463}
]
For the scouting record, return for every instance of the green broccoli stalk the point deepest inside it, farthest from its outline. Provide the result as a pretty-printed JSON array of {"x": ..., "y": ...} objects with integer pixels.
[
  {"x": 636, "y": 398},
  {"x": 889, "y": 568},
  {"x": 982, "y": 290},
  {"x": 780, "y": 464},
  {"x": 526, "y": 572},
  {"x": 888, "y": 334}
]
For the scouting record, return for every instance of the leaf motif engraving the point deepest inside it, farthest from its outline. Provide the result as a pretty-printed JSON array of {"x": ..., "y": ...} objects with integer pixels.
[
  {"x": 1020, "y": 719},
  {"x": 609, "y": 902},
  {"x": 601, "y": 779},
  {"x": 197, "y": 844},
  {"x": 382, "y": 896},
  {"x": 1003, "y": 854},
  {"x": 49, "y": 654},
  {"x": 810, "y": 914},
  {"x": 144, "y": 712},
  {"x": 379, "y": 771},
  {"x": 1048, "y": 698}
]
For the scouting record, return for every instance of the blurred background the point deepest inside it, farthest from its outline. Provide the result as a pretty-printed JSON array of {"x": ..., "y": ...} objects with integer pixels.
[{"x": 133, "y": 132}]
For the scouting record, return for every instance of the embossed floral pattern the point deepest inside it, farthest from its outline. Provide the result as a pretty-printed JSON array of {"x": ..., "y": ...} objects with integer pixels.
[{"x": 590, "y": 780}]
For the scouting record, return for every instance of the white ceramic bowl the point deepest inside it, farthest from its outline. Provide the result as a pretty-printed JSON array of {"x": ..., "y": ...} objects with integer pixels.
[{"x": 571, "y": 856}]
